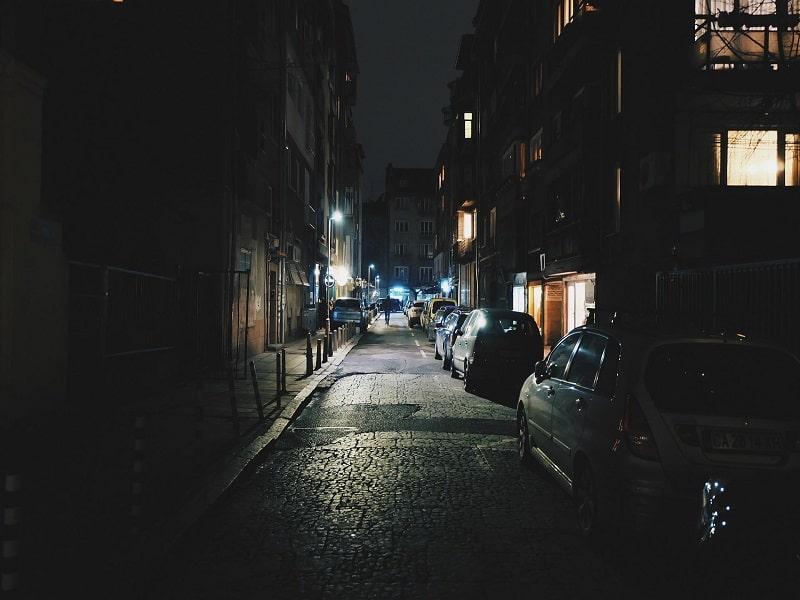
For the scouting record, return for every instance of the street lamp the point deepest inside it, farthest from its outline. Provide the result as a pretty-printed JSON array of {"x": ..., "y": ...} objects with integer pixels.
[
  {"x": 369, "y": 268},
  {"x": 336, "y": 216},
  {"x": 377, "y": 285}
]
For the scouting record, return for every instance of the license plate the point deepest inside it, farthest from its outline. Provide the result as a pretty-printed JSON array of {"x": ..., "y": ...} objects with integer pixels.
[{"x": 745, "y": 441}]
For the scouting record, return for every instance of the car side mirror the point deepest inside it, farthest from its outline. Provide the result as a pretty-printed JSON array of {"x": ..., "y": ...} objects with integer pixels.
[{"x": 540, "y": 371}]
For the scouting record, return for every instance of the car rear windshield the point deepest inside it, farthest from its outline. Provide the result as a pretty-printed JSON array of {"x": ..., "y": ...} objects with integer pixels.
[
  {"x": 724, "y": 380},
  {"x": 510, "y": 326},
  {"x": 349, "y": 304},
  {"x": 419, "y": 304}
]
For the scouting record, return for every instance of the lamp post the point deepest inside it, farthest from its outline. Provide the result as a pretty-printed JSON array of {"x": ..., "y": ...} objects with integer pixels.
[
  {"x": 336, "y": 216},
  {"x": 369, "y": 269},
  {"x": 377, "y": 285}
]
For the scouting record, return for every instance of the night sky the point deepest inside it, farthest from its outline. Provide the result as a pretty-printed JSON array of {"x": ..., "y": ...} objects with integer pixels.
[{"x": 406, "y": 52}]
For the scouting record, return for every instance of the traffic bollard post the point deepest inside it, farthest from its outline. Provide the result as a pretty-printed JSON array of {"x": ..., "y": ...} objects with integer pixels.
[
  {"x": 256, "y": 394},
  {"x": 234, "y": 407},
  {"x": 283, "y": 370},
  {"x": 319, "y": 355},
  {"x": 325, "y": 346},
  {"x": 309, "y": 356}
]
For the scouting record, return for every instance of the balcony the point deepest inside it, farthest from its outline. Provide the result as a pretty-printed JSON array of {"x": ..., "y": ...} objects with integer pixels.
[{"x": 464, "y": 251}]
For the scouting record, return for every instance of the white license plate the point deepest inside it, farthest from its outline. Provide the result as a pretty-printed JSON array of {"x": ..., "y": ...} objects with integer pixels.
[{"x": 745, "y": 441}]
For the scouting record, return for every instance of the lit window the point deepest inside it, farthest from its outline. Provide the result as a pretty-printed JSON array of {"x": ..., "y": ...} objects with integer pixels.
[
  {"x": 752, "y": 158},
  {"x": 792, "y": 162},
  {"x": 617, "y": 208},
  {"x": 536, "y": 146},
  {"x": 468, "y": 126},
  {"x": 465, "y": 225},
  {"x": 619, "y": 81}
]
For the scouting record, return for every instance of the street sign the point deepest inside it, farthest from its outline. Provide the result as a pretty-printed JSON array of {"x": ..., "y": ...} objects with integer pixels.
[{"x": 329, "y": 280}]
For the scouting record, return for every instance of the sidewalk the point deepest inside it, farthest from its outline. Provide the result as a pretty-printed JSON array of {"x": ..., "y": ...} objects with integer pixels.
[{"x": 81, "y": 470}]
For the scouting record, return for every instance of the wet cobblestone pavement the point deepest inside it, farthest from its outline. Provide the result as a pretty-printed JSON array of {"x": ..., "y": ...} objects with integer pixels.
[{"x": 398, "y": 484}]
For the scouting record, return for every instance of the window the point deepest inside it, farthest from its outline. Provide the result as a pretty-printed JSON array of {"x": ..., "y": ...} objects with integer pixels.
[
  {"x": 563, "y": 15},
  {"x": 586, "y": 363},
  {"x": 466, "y": 230},
  {"x": 616, "y": 208},
  {"x": 245, "y": 259},
  {"x": 492, "y": 224},
  {"x": 401, "y": 203},
  {"x": 401, "y": 273},
  {"x": 399, "y": 249},
  {"x": 559, "y": 357},
  {"x": 426, "y": 205},
  {"x": 509, "y": 161},
  {"x": 536, "y": 147},
  {"x": 468, "y": 126},
  {"x": 619, "y": 80},
  {"x": 607, "y": 381},
  {"x": 538, "y": 79},
  {"x": 557, "y": 126},
  {"x": 745, "y": 158},
  {"x": 426, "y": 227},
  {"x": 426, "y": 251},
  {"x": 401, "y": 226},
  {"x": 425, "y": 274},
  {"x": 752, "y": 158}
]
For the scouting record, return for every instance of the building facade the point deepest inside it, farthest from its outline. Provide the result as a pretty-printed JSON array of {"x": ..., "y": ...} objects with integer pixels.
[
  {"x": 409, "y": 198},
  {"x": 596, "y": 171}
]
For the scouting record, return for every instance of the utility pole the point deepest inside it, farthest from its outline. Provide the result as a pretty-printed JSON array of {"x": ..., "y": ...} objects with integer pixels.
[{"x": 284, "y": 162}]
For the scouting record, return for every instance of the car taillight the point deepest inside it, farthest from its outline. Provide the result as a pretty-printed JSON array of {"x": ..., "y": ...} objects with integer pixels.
[{"x": 636, "y": 432}]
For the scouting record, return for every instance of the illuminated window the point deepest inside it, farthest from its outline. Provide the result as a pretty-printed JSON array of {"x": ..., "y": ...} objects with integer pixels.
[
  {"x": 466, "y": 230},
  {"x": 564, "y": 13},
  {"x": 468, "y": 126},
  {"x": 792, "y": 161},
  {"x": 752, "y": 158},
  {"x": 536, "y": 147}
]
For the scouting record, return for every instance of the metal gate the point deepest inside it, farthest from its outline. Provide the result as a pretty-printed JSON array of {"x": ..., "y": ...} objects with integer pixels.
[{"x": 759, "y": 300}]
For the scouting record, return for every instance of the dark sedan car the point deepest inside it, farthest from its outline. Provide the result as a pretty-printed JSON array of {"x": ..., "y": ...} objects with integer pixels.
[
  {"x": 492, "y": 342},
  {"x": 446, "y": 335}
]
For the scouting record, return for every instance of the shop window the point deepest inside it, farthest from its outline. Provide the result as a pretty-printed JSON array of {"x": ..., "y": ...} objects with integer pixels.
[
  {"x": 468, "y": 126},
  {"x": 580, "y": 298},
  {"x": 518, "y": 298}
]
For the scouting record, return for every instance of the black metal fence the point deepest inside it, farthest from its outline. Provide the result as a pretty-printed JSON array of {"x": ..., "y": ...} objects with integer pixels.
[{"x": 760, "y": 300}]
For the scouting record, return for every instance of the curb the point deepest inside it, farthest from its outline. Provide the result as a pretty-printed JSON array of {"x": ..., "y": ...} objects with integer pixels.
[{"x": 192, "y": 511}]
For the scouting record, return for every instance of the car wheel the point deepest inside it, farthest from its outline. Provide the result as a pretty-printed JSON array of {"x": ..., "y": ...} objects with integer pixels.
[
  {"x": 436, "y": 354},
  {"x": 586, "y": 504},
  {"x": 523, "y": 438},
  {"x": 453, "y": 372},
  {"x": 469, "y": 379}
]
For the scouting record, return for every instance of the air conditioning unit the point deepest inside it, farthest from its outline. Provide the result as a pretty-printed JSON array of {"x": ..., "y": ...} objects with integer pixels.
[{"x": 654, "y": 170}]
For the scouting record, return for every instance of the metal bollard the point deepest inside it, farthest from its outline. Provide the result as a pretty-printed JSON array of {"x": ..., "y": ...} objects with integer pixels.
[
  {"x": 234, "y": 408},
  {"x": 137, "y": 477},
  {"x": 325, "y": 346},
  {"x": 329, "y": 336},
  {"x": 12, "y": 526},
  {"x": 283, "y": 370},
  {"x": 319, "y": 355},
  {"x": 309, "y": 356},
  {"x": 278, "y": 373},
  {"x": 259, "y": 408}
]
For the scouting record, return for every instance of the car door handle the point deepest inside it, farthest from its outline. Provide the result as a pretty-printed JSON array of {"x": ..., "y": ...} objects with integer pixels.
[
  {"x": 580, "y": 404},
  {"x": 551, "y": 391}
]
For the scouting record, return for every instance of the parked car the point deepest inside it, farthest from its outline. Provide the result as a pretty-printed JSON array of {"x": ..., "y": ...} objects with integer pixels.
[
  {"x": 447, "y": 334},
  {"x": 414, "y": 313},
  {"x": 438, "y": 320},
  {"x": 432, "y": 306},
  {"x": 496, "y": 342},
  {"x": 394, "y": 304},
  {"x": 347, "y": 310},
  {"x": 406, "y": 306},
  {"x": 632, "y": 423}
]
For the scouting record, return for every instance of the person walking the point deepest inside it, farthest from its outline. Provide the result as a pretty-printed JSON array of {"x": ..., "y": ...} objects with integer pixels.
[{"x": 387, "y": 310}]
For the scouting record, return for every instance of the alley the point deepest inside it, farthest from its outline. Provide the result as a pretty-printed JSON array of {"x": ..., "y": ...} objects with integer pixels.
[{"x": 393, "y": 482}]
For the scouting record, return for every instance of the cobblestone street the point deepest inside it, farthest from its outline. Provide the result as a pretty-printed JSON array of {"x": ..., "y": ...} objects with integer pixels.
[{"x": 394, "y": 482}]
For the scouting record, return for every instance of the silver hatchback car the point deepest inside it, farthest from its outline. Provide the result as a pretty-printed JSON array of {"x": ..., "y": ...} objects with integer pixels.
[{"x": 633, "y": 423}]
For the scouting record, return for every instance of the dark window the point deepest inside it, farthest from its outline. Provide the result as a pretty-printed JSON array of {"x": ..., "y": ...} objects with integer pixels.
[
  {"x": 724, "y": 380},
  {"x": 511, "y": 326},
  {"x": 586, "y": 363},
  {"x": 607, "y": 381},
  {"x": 559, "y": 357}
]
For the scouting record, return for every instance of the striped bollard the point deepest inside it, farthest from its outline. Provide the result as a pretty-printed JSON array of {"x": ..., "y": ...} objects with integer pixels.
[
  {"x": 12, "y": 526},
  {"x": 137, "y": 477}
]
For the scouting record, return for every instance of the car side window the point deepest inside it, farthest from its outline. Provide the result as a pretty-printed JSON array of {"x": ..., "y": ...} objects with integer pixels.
[
  {"x": 586, "y": 363},
  {"x": 467, "y": 327},
  {"x": 560, "y": 355},
  {"x": 607, "y": 381}
]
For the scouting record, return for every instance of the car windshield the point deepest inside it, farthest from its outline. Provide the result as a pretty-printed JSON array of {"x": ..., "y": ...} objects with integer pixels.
[
  {"x": 724, "y": 380},
  {"x": 347, "y": 303},
  {"x": 419, "y": 304}
]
